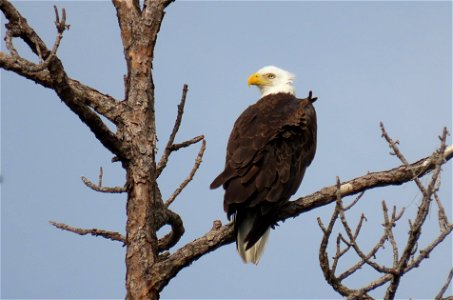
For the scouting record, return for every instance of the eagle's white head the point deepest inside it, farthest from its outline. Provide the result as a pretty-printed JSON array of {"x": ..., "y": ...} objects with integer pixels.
[{"x": 273, "y": 80}]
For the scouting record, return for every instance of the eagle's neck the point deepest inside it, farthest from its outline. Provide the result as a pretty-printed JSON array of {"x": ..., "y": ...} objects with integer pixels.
[{"x": 286, "y": 88}]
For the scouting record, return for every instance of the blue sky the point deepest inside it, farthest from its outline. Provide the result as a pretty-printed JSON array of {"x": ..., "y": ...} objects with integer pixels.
[{"x": 366, "y": 61}]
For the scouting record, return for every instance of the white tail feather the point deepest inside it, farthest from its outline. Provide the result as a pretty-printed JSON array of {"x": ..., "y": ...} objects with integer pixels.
[{"x": 253, "y": 254}]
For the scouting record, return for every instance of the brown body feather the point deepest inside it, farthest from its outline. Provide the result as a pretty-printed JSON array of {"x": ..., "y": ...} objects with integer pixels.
[{"x": 270, "y": 146}]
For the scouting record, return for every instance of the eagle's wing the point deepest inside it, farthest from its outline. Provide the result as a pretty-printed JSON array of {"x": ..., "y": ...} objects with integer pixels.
[{"x": 271, "y": 144}]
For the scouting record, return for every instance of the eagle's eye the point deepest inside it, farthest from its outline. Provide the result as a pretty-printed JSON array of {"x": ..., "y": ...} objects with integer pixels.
[{"x": 270, "y": 76}]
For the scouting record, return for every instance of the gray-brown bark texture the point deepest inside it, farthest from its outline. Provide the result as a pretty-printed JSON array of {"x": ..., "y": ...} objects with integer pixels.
[
  {"x": 137, "y": 129},
  {"x": 149, "y": 267}
]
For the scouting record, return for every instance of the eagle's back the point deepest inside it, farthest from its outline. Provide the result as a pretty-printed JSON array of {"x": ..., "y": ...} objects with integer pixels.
[{"x": 270, "y": 146}]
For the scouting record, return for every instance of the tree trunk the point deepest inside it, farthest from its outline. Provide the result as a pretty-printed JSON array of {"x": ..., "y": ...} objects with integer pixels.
[
  {"x": 137, "y": 129},
  {"x": 142, "y": 204},
  {"x": 141, "y": 236}
]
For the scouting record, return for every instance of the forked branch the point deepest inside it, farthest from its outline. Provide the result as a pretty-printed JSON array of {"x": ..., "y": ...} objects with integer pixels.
[
  {"x": 416, "y": 228},
  {"x": 50, "y": 73},
  {"x": 103, "y": 189},
  {"x": 409, "y": 259},
  {"x": 395, "y": 176},
  {"x": 329, "y": 272},
  {"x": 168, "y": 149},
  {"x": 195, "y": 167}
]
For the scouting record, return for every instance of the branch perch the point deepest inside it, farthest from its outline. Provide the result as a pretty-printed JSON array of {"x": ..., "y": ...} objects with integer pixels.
[
  {"x": 395, "y": 176},
  {"x": 218, "y": 237}
]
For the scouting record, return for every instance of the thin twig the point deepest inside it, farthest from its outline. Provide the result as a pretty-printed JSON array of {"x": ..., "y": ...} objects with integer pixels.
[
  {"x": 9, "y": 43},
  {"x": 61, "y": 25},
  {"x": 352, "y": 239},
  {"x": 359, "y": 226},
  {"x": 85, "y": 101},
  {"x": 114, "y": 236},
  {"x": 346, "y": 208},
  {"x": 424, "y": 253},
  {"x": 101, "y": 174},
  {"x": 442, "y": 216},
  {"x": 176, "y": 147},
  {"x": 397, "y": 152},
  {"x": 164, "y": 159},
  {"x": 359, "y": 264},
  {"x": 337, "y": 257},
  {"x": 339, "y": 253},
  {"x": 389, "y": 223},
  {"x": 422, "y": 212},
  {"x": 445, "y": 286},
  {"x": 195, "y": 167},
  {"x": 44, "y": 63},
  {"x": 329, "y": 273},
  {"x": 102, "y": 189}
]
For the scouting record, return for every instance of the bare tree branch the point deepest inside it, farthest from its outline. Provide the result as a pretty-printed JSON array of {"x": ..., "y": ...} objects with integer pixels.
[
  {"x": 190, "y": 177},
  {"x": 114, "y": 236},
  {"x": 18, "y": 27},
  {"x": 415, "y": 230},
  {"x": 150, "y": 3},
  {"x": 329, "y": 272},
  {"x": 397, "y": 152},
  {"x": 424, "y": 253},
  {"x": 176, "y": 147},
  {"x": 219, "y": 237},
  {"x": 165, "y": 270},
  {"x": 56, "y": 78},
  {"x": 396, "y": 176},
  {"x": 177, "y": 230},
  {"x": 352, "y": 240},
  {"x": 346, "y": 208},
  {"x": 442, "y": 216},
  {"x": 408, "y": 259},
  {"x": 168, "y": 149},
  {"x": 103, "y": 189},
  {"x": 61, "y": 27},
  {"x": 389, "y": 223},
  {"x": 445, "y": 286}
]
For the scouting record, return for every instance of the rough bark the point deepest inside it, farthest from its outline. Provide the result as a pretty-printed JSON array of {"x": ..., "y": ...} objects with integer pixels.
[{"x": 137, "y": 128}]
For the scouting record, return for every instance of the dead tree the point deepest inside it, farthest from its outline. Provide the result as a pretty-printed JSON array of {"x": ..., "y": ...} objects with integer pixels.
[{"x": 149, "y": 263}]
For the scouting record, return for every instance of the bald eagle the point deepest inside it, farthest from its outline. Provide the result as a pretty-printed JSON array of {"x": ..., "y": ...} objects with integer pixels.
[{"x": 272, "y": 143}]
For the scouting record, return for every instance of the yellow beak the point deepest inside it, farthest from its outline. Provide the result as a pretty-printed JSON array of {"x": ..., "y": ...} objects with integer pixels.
[{"x": 256, "y": 79}]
